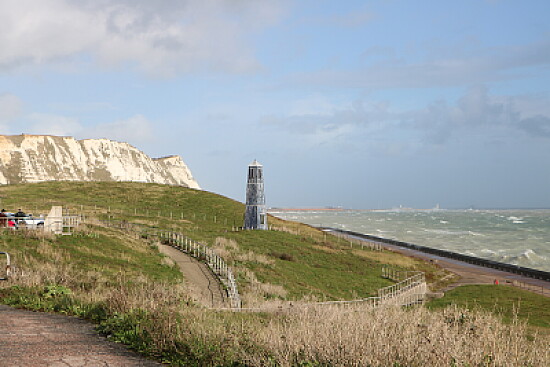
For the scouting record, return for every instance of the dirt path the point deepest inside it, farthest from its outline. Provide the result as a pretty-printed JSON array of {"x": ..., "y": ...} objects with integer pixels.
[
  {"x": 30, "y": 339},
  {"x": 204, "y": 285},
  {"x": 472, "y": 274}
]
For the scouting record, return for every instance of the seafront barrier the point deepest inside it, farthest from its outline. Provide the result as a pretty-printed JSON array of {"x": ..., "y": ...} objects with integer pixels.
[{"x": 515, "y": 269}]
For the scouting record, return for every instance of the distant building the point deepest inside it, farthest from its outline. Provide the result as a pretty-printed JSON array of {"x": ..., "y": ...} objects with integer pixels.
[{"x": 255, "y": 216}]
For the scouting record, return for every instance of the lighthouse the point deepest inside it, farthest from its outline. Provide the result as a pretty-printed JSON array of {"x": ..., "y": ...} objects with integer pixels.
[{"x": 255, "y": 216}]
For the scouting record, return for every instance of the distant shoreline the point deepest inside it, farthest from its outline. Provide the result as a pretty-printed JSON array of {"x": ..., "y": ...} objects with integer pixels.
[{"x": 394, "y": 209}]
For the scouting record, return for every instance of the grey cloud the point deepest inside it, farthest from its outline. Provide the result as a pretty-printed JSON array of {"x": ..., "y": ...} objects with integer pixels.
[
  {"x": 358, "y": 114},
  {"x": 474, "y": 109},
  {"x": 482, "y": 66},
  {"x": 476, "y": 112},
  {"x": 159, "y": 38},
  {"x": 538, "y": 126}
]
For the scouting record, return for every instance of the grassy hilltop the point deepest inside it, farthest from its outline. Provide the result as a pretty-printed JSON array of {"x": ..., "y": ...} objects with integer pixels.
[
  {"x": 295, "y": 260},
  {"x": 138, "y": 297}
]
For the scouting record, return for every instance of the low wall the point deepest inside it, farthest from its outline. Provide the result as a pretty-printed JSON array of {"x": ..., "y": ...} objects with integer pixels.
[{"x": 515, "y": 269}]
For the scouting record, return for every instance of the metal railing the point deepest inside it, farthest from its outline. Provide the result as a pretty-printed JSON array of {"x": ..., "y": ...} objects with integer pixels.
[
  {"x": 191, "y": 247},
  {"x": 510, "y": 268},
  {"x": 410, "y": 290}
]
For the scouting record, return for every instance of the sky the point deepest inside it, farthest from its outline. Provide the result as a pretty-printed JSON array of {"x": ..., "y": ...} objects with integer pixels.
[{"x": 359, "y": 104}]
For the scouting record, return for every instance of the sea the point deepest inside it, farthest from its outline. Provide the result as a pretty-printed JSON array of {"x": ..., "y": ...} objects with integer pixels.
[{"x": 519, "y": 237}]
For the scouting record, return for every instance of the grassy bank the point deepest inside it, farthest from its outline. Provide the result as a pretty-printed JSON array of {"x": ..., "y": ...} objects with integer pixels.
[
  {"x": 138, "y": 298},
  {"x": 507, "y": 301},
  {"x": 290, "y": 262}
]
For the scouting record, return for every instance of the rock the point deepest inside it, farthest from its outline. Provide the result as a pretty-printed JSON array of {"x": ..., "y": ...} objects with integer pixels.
[{"x": 37, "y": 158}]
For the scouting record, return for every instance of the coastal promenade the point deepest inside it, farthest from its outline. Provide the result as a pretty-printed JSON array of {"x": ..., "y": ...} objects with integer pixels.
[{"x": 468, "y": 273}]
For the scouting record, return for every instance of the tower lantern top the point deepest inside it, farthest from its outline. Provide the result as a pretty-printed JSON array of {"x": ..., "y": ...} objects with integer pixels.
[{"x": 255, "y": 164}]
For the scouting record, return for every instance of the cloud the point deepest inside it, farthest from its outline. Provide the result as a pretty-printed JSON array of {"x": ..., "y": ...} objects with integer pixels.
[
  {"x": 136, "y": 129},
  {"x": 538, "y": 126},
  {"x": 159, "y": 38},
  {"x": 11, "y": 107},
  {"x": 476, "y": 114},
  {"x": 49, "y": 124},
  {"x": 333, "y": 124},
  {"x": 442, "y": 67},
  {"x": 439, "y": 120}
]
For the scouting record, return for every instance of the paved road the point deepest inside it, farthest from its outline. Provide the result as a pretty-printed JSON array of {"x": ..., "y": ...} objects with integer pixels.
[{"x": 31, "y": 339}]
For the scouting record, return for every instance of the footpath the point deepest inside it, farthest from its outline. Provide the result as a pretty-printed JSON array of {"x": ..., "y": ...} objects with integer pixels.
[
  {"x": 202, "y": 283},
  {"x": 31, "y": 339}
]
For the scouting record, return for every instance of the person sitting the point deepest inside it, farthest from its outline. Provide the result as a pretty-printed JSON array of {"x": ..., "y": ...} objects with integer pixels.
[{"x": 19, "y": 214}]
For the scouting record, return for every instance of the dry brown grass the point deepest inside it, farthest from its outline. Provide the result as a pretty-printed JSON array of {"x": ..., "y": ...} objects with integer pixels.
[
  {"x": 381, "y": 337},
  {"x": 389, "y": 258},
  {"x": 336, "y": 336},
  {"x": 252, "y": 257},
  {"x": 327, "y": 335}
]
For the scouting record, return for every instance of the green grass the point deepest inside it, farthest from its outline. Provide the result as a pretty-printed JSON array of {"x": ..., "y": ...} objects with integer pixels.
[
  {"x": 320, "y": 266},
  {"x": 503, "y": 300},
  {"x": 103, "y": 254},
  {"x": 106, "y": 262}
]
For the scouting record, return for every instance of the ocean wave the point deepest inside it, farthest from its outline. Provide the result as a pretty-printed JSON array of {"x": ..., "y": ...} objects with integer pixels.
[
  {"x": 475, "y": 234},
  {"x": 451, "y": 233},
  {"x": 528, "y": 257}
]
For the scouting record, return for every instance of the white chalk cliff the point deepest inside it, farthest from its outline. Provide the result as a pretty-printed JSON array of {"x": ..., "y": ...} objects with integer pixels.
[{"x": 36, "y": 158}]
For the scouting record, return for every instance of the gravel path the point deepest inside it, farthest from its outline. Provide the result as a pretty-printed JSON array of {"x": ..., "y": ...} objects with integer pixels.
[{"x": 30, "y": 339}]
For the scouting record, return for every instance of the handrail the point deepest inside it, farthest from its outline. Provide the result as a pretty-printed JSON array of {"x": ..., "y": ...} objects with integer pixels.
[
  {"x": 191, "y": 247},
  {"x": 409, "y": 291}
]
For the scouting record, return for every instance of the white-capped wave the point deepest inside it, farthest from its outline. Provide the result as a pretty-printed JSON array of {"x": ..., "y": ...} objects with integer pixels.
[{"x": 443, "y": 222}]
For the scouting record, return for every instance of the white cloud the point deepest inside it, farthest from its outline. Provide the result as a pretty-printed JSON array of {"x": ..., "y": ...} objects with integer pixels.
[
  {"x": 49, "y": 124},
  {"x": 160, "y": 38},
  {"x": 11, "y": 107},
  {"x": 134, "y": 130}
]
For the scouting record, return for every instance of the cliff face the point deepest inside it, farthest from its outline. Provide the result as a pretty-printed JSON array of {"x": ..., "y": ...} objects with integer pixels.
[{"x": 36, "y": 158}]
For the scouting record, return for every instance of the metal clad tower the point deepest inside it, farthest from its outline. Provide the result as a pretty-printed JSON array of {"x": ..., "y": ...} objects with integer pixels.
[{"x": 255, "y": 216}]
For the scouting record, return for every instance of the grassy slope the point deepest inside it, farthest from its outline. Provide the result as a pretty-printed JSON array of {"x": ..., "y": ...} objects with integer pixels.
[
  {"x": 101, "y": 255},
  {"x": 504, "y": 300},
  {"x": 145, "y": 314},
  {"x": 305, "y": 261}
]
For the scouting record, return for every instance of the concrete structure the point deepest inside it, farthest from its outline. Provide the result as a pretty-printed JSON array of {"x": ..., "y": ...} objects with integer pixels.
[
  {"x": 54, "y": 220},
  {"x": 256, "y": 214}
]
